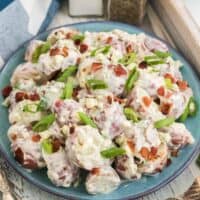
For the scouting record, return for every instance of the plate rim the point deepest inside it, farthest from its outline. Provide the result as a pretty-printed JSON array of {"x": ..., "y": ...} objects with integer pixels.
[{"x": 176, "y": 173}]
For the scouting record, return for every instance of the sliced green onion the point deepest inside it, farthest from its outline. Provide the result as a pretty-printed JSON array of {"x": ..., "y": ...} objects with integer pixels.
[
  {"x": 131, "y": 114},
  {"x": 78, "y": 37},
  {"x": 168, "y": 83},
  {"x": 164, "y": 122},
  {"x": 190, "y": 110},
  {"x": 192, "y": 107},
  {"x": 133, "y": 77},
  {"x": 162, "y": 54},
  {"x": 149, "y": 58},
  {"x": 155, "y": 62},
  {"x": 42, "y": 105},
  {"x": 40, "y": 50},
  {"x": 103, "y": 50},
  {"x": 128, "y": 59},
  {"x": 96, "y": 84},
  {"x": 31, "y": 108},
  {"x": 47, "y": 146},
  {"x": 185, "y": 114},
  {"x": 86, "y": 119},
  {"x": 44, "y": 123},
  {"x": 113, "y": 152},
  {"x": 68, "y": 90},
  {"x": 70, "y": 71}
]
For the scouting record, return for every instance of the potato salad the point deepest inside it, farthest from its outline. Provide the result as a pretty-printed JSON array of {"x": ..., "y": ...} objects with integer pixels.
[{"x": 109, "y": 104}]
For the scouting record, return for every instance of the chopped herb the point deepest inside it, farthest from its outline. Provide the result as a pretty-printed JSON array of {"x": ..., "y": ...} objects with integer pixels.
[
  {"x": 44, "y": 123},
  {"x": 47, "y": 146},
  {"x": 78, "y": 37},
  {"x": 164, "y": 122},
  {"x": 86, "y": 119},
  {"x": 128, "y": 59},
  {"x": 131, "y": 114},
  {"x": 103, "y": 50},
  {"x": 40, "y": 50},
  {"x": 133, "y": 77},
  {"x": 70, "y": 71},
  {"x": 168, "y": 83},
  {"x": 96, "y": 84},
  {"x": 113, "y": 152},
  {"x": 68, "y": 90}
]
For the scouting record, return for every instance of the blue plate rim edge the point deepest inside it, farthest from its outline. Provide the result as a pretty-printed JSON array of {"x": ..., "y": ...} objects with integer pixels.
[{"x": 154, "y": 188}]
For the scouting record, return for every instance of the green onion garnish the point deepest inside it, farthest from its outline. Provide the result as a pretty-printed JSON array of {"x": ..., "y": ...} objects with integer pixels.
[
  {"x": 44, "y": 123},
  {"x": 128, "y": 59},
  {"x": 40, "y": 50},
  {"x": 68, "y": 90},
  {"x": 158, "y": 58},
  {"x": 96, "y": 84},
  {"x": 192, "y": 107},
  {"x": 42, "y": 105},
  {"x": 78, "y": 37},
  {"x": 131, "y": 114},
  {"x": 113, "y": 152},
  {"x": 31, "y": 108},
  {"x": 70, "y": 71},
  {"x": 86, "y": 119},
  {"x": 162, "y": 54},
  {"x": 164, "y": 122},
  {"x": 103, "y": 50},
  {"x": 190, "y": 110},
  {"x": 168, "y": 83},
  {"x": 47, "y": 146},
  {"x": 133, "y": 77}
]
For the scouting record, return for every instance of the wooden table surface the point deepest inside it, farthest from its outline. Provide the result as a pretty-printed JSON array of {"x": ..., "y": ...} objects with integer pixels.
[{"x": 24, "y": 190}]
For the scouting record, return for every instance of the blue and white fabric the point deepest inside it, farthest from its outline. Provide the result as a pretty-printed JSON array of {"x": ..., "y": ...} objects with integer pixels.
[{"x": 20, "y": 20}]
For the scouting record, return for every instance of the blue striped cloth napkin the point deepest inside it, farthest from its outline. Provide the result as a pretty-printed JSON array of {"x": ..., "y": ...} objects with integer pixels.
[{"x": 20, "y": 20}]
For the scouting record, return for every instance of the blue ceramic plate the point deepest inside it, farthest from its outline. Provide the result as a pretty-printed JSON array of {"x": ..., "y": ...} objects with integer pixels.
[{"x": 128, "y": 189}]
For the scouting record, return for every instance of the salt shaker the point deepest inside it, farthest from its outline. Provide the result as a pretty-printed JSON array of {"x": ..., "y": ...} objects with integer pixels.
[{"x": 86, "y": 7}]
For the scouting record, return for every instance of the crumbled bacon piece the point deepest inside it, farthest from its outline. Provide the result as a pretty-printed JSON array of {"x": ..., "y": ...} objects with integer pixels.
[
  {"x": 109, "y": 40},
  {"x": 56, "y": 143},
  {"x": 54, "y": 52},
  {"x": 96, "y": 66},
  {"x": 95, "y": 171},
  {"x": 20, "y": 96},
  {"x": 183, "y": 85},
  {"x": 165, "y": 108},
  {"x": 6, "y": 91},
  {"x": 129, "y": 48},
  {"x": 36, "y": 138},
  {"x": 83, "y": 48},
  {"x": 65, "y": 51},
  {"x": 144, "y": 152},
  {"x": 169, "y": 76},
  {"x": 119, "y": 70},
  {"x": 69, "y": 35},
  {"x": 143, "y": 65},
  {"x": 131, "y": 145},
  {"x": 109, "y": 99},
  {"x": 161, "y": 91},
  {"x": 34, "y": 97},
  {"x": 147, "y": 101}
]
